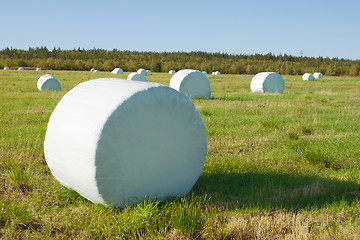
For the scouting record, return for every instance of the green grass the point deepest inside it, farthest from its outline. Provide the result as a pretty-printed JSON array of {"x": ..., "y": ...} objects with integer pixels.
[{"x": 278, "y": 166}]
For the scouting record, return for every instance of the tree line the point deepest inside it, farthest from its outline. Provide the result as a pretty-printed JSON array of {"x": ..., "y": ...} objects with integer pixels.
[{"x": 107, "y": 60}]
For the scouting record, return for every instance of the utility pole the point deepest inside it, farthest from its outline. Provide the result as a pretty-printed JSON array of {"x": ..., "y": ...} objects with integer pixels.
[{"x": 301, "y": 53}]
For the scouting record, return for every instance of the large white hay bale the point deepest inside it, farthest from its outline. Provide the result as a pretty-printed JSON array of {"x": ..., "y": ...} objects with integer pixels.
[
  {"x": 116, "y": 142},
  {"x": 137, "y": 77},
  {"x": 20, "y": 68},
  {"x": 308, "y": 77},
  {"x": 267, "y": 82},
  {"x": 96, "y": 71},
  {"x": 142, "y": 71},
  {"x": 117, "y": 71},
  {"x": 48, "y": 82},
  {"x": 217, "y": 73},
  {"x": 213, "y": 73},
  {"x": 204, "y": 72},
  {"x": 193, "y": 83},
  {"x": 92, "y": 69},
  {"x": 6, "y": 68},
  {"x": 172, "y": 72},
  {"x": 38, "y": 69},
  {"x": 318, "y": 75},
  {"x": 148, "y": 71}
]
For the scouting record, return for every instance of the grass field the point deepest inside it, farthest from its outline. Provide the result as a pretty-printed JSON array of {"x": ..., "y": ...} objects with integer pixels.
[{"x": 279, "y": 166}]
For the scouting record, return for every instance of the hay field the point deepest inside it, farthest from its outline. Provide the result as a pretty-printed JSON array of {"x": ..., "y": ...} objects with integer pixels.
[{"x": 279, "y": 166}]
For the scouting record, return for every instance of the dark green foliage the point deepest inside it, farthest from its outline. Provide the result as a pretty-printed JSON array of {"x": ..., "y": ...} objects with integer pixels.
[
  {"x": 156, "y": 67},
  {"x": 81, "y": 59}
]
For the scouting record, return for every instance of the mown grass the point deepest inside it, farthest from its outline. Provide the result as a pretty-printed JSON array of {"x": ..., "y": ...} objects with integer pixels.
[{"x": 279, "y": 166}]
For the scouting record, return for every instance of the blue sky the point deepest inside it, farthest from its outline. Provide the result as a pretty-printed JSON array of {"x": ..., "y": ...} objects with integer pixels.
[{"x": 325, "y": 28}]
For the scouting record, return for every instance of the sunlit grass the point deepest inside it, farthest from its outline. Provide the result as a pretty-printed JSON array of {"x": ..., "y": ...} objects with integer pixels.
[{"x": 278, "y": 166}]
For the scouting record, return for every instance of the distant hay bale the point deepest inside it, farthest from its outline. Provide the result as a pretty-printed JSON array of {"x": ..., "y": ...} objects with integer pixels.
[
  {"x": 118, "y": 142},
  {"x": 117, "y": 71},
  {"x": 213, "y": 73},
  {"x": 204, "y": 72},
  {"x": 6, "y": 68},
  {"x": 148, "y": 71},
  {"x": 172, "y": 72},
  {"x": 48, "y": 82},
  {"x": 267, "y": 82},
  {"x": 137, "y": 77},
  {"x": 142, "y": 71},
  {"x": 217, "y": 73},
  {"x": 38, "y": 69},
  {"x": 96, "y": 71},
  {"x": 193, "y": 83},
  {"x": 308, "y": 77},
  {"x": 20, "y": 68},
  {"x": 318, "y": 75},
  {"x": 92, "y": 69}
]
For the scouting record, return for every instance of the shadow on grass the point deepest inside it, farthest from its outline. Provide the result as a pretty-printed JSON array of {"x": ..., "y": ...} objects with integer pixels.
[{"x": 273, "y": 190}]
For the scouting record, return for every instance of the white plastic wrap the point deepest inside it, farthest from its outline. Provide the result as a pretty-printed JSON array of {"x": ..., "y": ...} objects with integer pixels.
[
  {"x": 117, "y": 71},
  {"x": 172, "y": 72},
  {"x": 267, "y": 82},
  {"x": 318, "y": 75},
  {"x": 148, "y": 71},
  {"x": 204, "y": 72},
  {"x": 20, "y": 68},
  {"x": 92, "y": 69},
  {"x": 6, "y": 68},
  {"x": 116, "y": 142},
  {"x": 48, "y": 82},
  {"x": 193, "y": 83},
  {"x": 308, "y": 77},
  {"x": 38, "y": 69},
  {"x": 137, "y": 77},
  {"x": 142, "y": 71}
]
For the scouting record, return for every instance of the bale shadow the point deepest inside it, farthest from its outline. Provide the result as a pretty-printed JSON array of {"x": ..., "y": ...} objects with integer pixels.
[{"x": 273, "y": 191}]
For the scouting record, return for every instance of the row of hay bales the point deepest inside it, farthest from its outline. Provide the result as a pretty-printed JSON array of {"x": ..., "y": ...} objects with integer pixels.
[
  {"x": 272, "y": 82},
  {"x": 204, "y": 72},
  {"x": 311, "y": 77},
  {"x": 118, "y": 142},
  {"x": 120, "y": 71},
  {"x": 194, "y": 83},
  {"x": 21, "y": 69}
]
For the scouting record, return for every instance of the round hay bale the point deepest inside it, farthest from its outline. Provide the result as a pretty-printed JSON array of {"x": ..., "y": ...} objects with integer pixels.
[
  {"x": 20, "y": 68},
  {"x": 308, "y": 77},
  {"x": 6, "y": 68},
  {"x": 137, "y": 77},
  {"x": 217, "y": 73},
  {"x": 172, "y": 72},
  {"x": 92, "y": 69},
  {"x": 213, "y": 73},
  {"x": 204, "y": 72},
  {"x": 142, "y": 71},
  {"x": 318, "y": 75},
  {"x": 96, "y": 71},
  {"x": 148, "y": 71},
  {"x": 193, "y": 83},
  {"x": 267, "y": 82},
  {"x": 38, "y": 69},
  {"x": 117, "y": 142},
  {"x": 117, "y": 71},
  {"x": 48, "y": 82}
]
